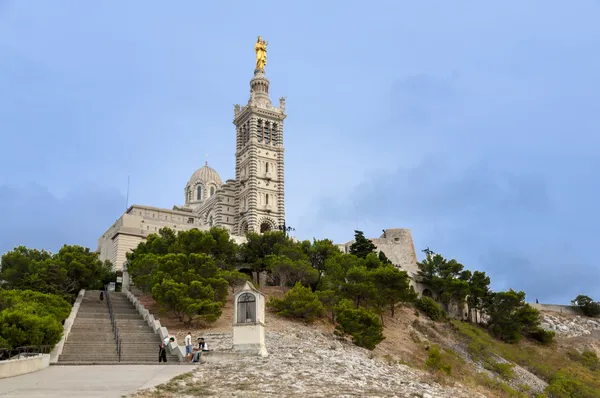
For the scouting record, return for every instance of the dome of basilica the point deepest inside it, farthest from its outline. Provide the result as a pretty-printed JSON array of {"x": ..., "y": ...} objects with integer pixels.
[
  {"x": 206, "y": 175},
  {"x": 202, "y": 185}
]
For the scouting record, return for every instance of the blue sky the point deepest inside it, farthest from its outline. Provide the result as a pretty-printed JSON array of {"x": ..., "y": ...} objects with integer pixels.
[{"x": 475, "y": 124}]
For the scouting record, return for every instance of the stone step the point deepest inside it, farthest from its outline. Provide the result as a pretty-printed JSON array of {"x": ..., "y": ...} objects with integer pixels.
[
  {"x": 90, "y": 356},
  {"x": 80, "y": 363}
]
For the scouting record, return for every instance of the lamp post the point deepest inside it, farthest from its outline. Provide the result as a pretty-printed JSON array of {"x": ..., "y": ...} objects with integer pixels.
[{"x": 285, "y": 229}]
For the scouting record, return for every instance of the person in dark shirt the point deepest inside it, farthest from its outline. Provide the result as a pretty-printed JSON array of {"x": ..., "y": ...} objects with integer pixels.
[{"x": 202, "y": 347}]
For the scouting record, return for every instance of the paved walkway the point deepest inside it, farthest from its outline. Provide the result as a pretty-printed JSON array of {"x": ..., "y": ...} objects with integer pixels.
[{"x": 89, "y": 381}]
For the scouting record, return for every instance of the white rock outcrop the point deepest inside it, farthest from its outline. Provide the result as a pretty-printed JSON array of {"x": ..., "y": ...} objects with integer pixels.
[
  {"x": 305, "y": 362},
  {"x": 570, "y": 326}
]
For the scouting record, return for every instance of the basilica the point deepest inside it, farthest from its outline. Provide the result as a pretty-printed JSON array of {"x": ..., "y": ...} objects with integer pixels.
[{"x": 252, "y": 202}]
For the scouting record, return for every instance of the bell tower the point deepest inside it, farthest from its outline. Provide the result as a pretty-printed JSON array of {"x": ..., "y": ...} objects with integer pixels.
[{"x": 259, "y": 161}]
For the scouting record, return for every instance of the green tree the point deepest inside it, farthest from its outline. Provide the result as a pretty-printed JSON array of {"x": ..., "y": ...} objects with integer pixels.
[
  {"x": 393, "y": 286},
  {"x": 479, "y": 292},
  {"x": 189, "y": 302},
  {"x": 31, "y": 318},
  {"x": 329, "y": 299},
  {"x": 383, "y": 258},
  {"x": 364, "y": 326},
  {"x": 319, "y": 252},
  {"x": 252, "y": 254},
  {"x": 446, "y": 277},
  {"x": 289, "y": 272},
  {"x": 64, "y": 273},
  {"x": 359, "y": 286},
  {"x": 430, "y": 307},
  {"x": 361, "y": 246},
  {"x": 298, "y": 302},
  {"x": 511, "y": 317},
  {"x": 587, "y": 305},
  {"x": 235, "y": 279}
]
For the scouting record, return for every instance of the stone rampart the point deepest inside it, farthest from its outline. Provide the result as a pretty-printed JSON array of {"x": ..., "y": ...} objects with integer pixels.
[{"x": 562, "y": 309}]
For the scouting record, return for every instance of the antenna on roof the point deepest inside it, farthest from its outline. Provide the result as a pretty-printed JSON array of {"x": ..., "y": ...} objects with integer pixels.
[{"x": 127, "y": 199}]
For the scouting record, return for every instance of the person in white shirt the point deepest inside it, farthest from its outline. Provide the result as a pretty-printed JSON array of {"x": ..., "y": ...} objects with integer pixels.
[
  {"x": 189, "y": 348},
  {"x": 162, "y": 352}
]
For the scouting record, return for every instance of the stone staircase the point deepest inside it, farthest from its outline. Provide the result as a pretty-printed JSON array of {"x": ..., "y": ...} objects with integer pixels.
[
  {"x": 139, "y": 343},
  {"x": 91, "y": 340}
]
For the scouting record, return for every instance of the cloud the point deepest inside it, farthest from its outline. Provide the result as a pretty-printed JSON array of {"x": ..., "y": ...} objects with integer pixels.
[
  {"x": 32, "y": 216},
  {"x": 521, "y": 228}
]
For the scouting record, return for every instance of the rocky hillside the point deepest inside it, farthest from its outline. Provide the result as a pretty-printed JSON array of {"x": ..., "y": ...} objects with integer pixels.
[
  {"x": 305, "y": 361},
  {"x": 418, "y": 358}
]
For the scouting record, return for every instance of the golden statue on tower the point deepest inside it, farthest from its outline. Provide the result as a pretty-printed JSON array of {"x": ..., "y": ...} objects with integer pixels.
[{"x": 261, "y": 53}]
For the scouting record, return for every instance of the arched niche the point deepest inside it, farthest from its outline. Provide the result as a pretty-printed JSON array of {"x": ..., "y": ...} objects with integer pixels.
[{"x": 246, "y": 308}]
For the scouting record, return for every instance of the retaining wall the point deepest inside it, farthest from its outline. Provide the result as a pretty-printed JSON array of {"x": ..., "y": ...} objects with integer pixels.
[
  {"x": 16, "y": 367},
  {"x": 58, "y": 348},
  {"x": 162, "y": 331}
]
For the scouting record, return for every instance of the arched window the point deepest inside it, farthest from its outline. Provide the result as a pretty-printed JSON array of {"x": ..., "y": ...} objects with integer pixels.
[
  {"x": 189, "y": 195},
  {"x": 212, "y": 191},
  {"x": 199, "y": 192},
  {"x": 267, "y": 167},
  {"x": 210, "y": 221},
  {"x": 266, "y": 198},
  {"x": 246, "y": 308}
]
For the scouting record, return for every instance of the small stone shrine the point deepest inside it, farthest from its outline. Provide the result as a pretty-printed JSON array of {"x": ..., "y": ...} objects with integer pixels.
[{"x": 249, "y": 321}]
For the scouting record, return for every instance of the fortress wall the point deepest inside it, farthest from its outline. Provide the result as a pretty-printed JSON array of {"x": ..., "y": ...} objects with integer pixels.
[{"x": 563, "y": 309}]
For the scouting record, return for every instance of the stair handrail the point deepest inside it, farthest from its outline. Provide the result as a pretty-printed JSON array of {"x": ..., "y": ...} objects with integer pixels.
[{"x": 113, "y": 323}]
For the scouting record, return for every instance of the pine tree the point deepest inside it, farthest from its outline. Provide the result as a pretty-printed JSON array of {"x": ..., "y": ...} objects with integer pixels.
[{"x": 362, "y": 246}]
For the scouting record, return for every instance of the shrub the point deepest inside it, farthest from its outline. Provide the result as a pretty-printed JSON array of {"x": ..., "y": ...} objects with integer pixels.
[
  {"x": 504, "y": 370},
  {"x": 21, "y": 328},
  {"x": 588, "y": 359},
  {"x": 542, "y": 336},
  {"x": 31, "y": 318},
  {"x": 564, "y": 385},
  {"x": 587, "y": 305},
  {"x": 299, "y": 302},
  {"x": 434, "y": 361},
  {"x": 430, "y": 307},
  {"x": 363, "y": 325}
]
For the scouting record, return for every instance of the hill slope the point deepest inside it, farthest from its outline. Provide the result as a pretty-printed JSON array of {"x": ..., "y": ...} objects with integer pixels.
[{"x": 464, "y": 361}]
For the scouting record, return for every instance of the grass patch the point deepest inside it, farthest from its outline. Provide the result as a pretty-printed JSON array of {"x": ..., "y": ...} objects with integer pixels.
[{"x": 568, "y": 375}]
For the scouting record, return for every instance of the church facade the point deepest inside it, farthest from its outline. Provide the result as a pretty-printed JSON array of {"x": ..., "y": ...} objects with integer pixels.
[{"x": 252, "y": 202}]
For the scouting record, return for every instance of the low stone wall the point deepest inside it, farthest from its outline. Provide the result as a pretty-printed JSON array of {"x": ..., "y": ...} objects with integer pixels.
[
  {"x": 58, "y": 348},
  {"x": 563, "y": 309},
  {"x": 21, "y": 366},
  {"x": 162, "y": 331}
]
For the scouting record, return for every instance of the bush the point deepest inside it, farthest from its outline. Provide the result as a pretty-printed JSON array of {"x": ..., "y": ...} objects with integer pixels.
[
  {"x": 299, "y": 302},
  {"x": 588, "y": 359},
  {"x": 587, "y": 305},
  {"x": 364, "y": 326},
  {"x": 31, "y": 318},
  {"x": 434, "y": 361},
  {"x": 430, "y": 307},
  {"x": 564, "y": 385},
  {"x": 542, "y": 336},
  {"x": 20, "y": 328}
]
